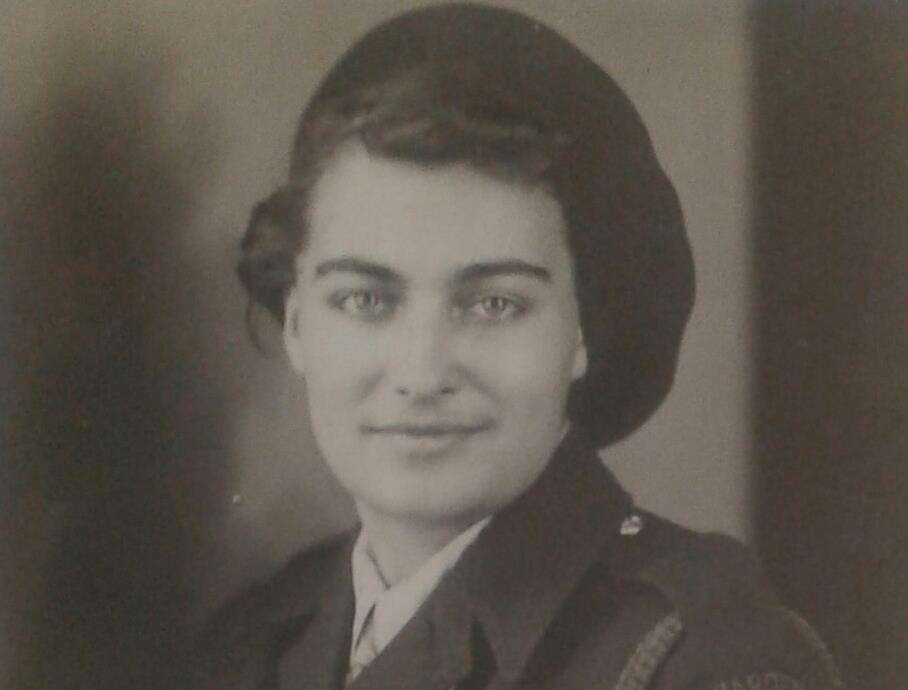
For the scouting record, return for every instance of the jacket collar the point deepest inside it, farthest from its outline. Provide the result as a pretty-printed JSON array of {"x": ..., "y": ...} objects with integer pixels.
[{"x": 525, "y": 564}]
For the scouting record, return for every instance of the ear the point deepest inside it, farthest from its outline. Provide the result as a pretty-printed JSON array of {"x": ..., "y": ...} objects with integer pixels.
[
  {"x": 292, "y": 341},
  {"x": 578, "y": 369}
]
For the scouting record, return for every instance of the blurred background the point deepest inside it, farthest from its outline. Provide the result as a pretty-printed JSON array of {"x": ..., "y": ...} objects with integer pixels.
[{"x": 152, "y": 461}]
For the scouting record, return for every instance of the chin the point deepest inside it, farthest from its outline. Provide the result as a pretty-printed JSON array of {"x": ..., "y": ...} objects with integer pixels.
[{"x": 434, "y": 507}]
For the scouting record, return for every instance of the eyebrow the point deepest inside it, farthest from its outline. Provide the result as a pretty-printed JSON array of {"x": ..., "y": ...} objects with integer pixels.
[
  {"x": 477, "y": 271},
  {"x": 509, "y": 267},
  {"x": 349, "y": 264}
]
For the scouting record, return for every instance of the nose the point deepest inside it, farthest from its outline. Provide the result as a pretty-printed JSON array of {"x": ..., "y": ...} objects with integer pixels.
[{"x": 422, "y": 368}]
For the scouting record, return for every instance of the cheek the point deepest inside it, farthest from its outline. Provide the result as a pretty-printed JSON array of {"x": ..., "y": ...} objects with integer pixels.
[
  {"x": 529, "y": 369},
  {"x": 341, "y": 362}
]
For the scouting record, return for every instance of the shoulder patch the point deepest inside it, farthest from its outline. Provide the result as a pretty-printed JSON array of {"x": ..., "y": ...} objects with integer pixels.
[{"x": 732, "y": 629}]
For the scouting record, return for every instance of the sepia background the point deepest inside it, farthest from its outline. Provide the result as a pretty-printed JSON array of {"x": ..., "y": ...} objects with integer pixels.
[{"x": 152, "y": 461}]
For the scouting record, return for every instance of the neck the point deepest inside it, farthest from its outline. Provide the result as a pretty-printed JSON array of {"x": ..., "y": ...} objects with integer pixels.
[{"x": 401, "y": 545}]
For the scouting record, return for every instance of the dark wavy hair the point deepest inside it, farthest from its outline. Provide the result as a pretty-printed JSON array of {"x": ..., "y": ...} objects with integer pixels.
[{"x": 464, "y": 83}]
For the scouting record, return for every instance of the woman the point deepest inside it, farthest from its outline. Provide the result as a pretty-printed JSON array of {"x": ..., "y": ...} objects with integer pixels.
[{"x": 483, "y": 277}]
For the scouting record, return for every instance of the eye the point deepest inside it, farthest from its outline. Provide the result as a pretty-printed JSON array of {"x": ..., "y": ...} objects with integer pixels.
[
  {"x": 362, "y": 303},
  {"x": 495, "y": 308}
]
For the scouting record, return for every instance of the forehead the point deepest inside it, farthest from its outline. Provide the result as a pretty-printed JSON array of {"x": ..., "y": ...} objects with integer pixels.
[{"x": 430, "y": 221}]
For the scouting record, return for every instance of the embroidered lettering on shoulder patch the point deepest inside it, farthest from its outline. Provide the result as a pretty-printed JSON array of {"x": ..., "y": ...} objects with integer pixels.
[{"x": 761, "y": 681}]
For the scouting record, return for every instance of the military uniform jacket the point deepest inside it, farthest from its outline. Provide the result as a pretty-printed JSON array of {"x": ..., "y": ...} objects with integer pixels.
[{"x": 568, "y": 587}]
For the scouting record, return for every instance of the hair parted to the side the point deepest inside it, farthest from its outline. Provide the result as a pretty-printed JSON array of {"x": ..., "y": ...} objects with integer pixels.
[{"x": 491, "y": 88}]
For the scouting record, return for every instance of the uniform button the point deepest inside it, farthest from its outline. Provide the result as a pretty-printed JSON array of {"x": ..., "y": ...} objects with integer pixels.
[{"x": 632, "y": 525}]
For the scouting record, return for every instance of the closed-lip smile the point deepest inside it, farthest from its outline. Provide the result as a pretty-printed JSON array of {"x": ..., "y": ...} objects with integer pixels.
[{"x": 427, "y": 430}]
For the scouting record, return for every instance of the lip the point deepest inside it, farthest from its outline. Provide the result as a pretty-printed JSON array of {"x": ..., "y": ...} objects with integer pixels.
[
  {"x": 426, "y": 440},
  {"x": 427, "y": 430}
]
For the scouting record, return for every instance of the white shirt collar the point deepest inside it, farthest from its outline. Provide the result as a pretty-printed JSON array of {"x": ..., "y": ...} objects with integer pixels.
[{"x": 400, "y": 602}]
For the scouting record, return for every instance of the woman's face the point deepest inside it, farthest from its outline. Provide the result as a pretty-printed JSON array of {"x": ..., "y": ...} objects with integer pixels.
[{"x": 435, "y": 323}]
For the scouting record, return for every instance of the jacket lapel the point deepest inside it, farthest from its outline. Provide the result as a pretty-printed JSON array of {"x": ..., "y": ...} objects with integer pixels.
[
  {"x": 522, "y": 568},
  {"x": 317, "y": 658}
]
